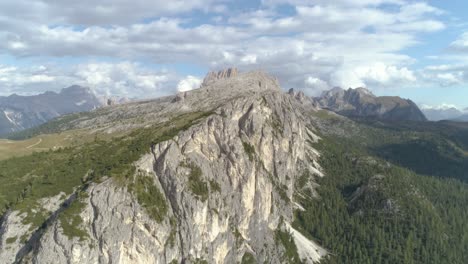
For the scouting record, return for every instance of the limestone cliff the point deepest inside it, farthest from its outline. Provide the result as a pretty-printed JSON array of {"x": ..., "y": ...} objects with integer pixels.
[{"x": 228, "y": 185}]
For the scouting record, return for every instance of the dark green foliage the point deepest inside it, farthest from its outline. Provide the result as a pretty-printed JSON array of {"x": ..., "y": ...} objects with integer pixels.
[
  {"x": 282, "y": 191},
  {"x": 149, "y": 196},
  {"x": 426, "y": 225},
  {"x": 286, "y": 240},
  {"x": 427, "y": 156},
  {"x": 196, "y": 183},
  {"x": 71, "y": 221},
  {"x": 200, "y": 261},
  {"x": 11, "y": 240},
  {"x": 248, "y": 258},
  {"x": 430, "y": 148},
  {"x": 250, "y": 150},
  {"x": 215, "y": 187},
  {"x": 172, "y": 236}
]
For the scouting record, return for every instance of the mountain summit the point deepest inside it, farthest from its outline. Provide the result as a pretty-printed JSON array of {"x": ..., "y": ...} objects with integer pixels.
[
  {"x": 222, "y": 74},
  {"x": 361, "y": 102}
]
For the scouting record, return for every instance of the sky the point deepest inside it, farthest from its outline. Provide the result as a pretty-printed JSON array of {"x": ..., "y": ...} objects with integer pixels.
[{"x": 151, "y": 48}]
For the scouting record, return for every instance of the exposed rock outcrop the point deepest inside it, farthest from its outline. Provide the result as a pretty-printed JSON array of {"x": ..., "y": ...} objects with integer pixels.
[
  {"x": 360, "y": 102},
  {"x": 212, "y": 77},
  {"x": 229, "y": 183}
]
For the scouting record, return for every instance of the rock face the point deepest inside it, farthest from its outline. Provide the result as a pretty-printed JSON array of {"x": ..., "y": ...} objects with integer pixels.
[
  {"x": 360, "y": 102},
  {"x": 212, "y": 77},
  {"x": 21, "y": 112},
  {"x": 246, "y": 157}
]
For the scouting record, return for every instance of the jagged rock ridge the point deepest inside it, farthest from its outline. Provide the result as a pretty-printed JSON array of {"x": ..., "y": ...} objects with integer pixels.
[
  {"x": 360, "y": 102},
  {"x": 212, "y": 77}
]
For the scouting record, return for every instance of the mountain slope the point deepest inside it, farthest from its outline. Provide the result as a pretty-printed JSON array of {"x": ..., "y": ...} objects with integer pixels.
[
  {"x": 22, "y": 112},
  {"x": 202, "y": 183},
  {"x": 360, "y": 102}
]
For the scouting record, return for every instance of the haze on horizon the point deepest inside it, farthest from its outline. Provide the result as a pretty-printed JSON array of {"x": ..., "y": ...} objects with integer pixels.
[{"x": 414, "y": 49}]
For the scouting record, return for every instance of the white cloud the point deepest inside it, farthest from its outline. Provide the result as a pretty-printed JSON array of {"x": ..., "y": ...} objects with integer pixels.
[
  {"x": 189, "y": 83},
  {"x": 461, "y": 44},
  {"x": 315, "y": 85},
  {"x": 384, "y": 74},
  {"x": 442, "y": 106},
  {"x": 446, "y": 74},
  {"x": 13, "y": 76},
  {"x": 123, "y": 78},
  {"x": 102, "y": 12},
  {"x": 318, "y": 45}
]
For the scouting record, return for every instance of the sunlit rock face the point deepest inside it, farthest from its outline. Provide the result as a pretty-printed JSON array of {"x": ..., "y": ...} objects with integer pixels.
[{"x": 229, "y": 182}]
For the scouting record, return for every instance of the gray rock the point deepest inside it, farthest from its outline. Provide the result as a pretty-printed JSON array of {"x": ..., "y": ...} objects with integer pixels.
[
  {"x": 360, "y": 102},
  {"x": 249, "y": 153}
]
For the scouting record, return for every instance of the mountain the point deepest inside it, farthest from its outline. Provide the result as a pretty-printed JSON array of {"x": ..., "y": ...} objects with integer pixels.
[
  {"x": 441, "y": 113},
  {"x": 360, "y": 102},
  {"x": 237, "y": 171},
  {"x": 462, "y": 118},
  {"x": 194, "y": 179},
  {"x": 22, "y": 112}
]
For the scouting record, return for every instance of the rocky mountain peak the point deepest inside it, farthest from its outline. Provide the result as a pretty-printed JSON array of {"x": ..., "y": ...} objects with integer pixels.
[
  {"x": 362, "y": 91},
  {"x": 232, "y": 82},
  {"x": 333, "y": 91},
  {"x": 222, "y": 74},
  {"x": 361, "y": 102}
]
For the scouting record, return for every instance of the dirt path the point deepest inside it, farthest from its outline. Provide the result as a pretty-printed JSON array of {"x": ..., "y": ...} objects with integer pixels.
[{"x": 33, "y": 145}]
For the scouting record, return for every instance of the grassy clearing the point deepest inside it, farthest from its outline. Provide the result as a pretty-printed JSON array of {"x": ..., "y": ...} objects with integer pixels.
[
  {"x": 19, "y": 148},
  {"x": 325, "y": 114}
]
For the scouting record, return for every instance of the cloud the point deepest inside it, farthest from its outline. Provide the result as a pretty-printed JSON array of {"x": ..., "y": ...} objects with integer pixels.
[
  {"x": 102, "y": 12},
  {"x": 461, "y": 44},
  {"x": 442, "y": 106},
  {"x": 10, "y": 75},
  {"x": 315, "y": 46},
  {"x": 379, "y": 73},
  {"x": 446, "y": 74},
  {"x": 189, "y": 83},
  {"x": 124, "y": 78}
]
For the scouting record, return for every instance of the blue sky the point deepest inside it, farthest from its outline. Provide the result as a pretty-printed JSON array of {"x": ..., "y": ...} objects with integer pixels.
[{"x": 142, "y": 48}]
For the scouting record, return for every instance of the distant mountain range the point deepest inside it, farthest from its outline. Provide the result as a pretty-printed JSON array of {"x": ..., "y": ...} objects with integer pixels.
[
  {"x": 361, "y": 102},
  {"x": 445, "y": 113},
  {"x": 21, "y": 112}
]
